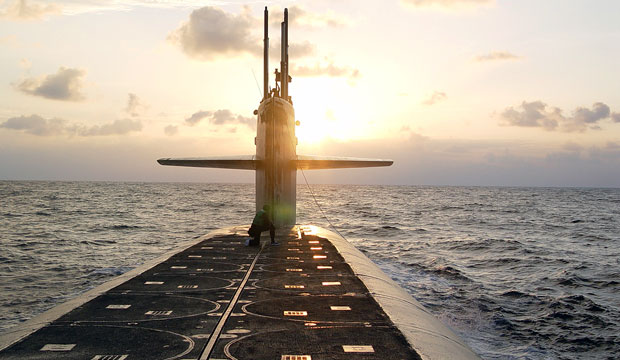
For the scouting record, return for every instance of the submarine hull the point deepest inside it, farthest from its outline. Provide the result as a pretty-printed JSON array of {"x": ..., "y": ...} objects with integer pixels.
[{"x": 315, "y": 296}]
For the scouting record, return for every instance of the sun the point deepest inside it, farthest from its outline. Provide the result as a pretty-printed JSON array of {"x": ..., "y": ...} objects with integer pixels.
[{"x": 324, "y": 114}]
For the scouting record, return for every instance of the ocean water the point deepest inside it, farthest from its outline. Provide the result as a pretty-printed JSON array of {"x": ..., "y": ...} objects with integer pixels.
[{"x": 518, "y": 273}]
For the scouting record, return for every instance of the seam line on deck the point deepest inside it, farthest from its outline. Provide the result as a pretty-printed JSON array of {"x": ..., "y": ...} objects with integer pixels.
[{"x": 220, "y": 325}]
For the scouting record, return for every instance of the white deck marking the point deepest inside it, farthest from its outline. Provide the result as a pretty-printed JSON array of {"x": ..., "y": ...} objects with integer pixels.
[
  {"x": 331, "y": 283},
  {"x": 158, "y": 312},
  {"x": 340, "y": 308},
  {"x": 295, "y": 313}
]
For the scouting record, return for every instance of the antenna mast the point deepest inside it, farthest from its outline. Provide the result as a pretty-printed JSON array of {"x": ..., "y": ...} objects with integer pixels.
[
  {"x": 266, "y": 57},
  {"x": 284, "y": 57}
]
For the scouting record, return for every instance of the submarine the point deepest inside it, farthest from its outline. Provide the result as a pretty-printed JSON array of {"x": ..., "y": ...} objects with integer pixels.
[{"x": 313, "y": 297}]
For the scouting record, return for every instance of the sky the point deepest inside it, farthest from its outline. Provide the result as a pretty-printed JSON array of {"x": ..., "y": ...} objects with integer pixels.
[{"x": 456, "y": 92}]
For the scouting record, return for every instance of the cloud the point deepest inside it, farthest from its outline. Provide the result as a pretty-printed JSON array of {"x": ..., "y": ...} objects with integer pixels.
[
  {"x": 496, "y": 56},
  {"x": 37, "y": 125},
  {"x": 197, "y": 117},
  {"x": 25, "y": 64},
  {"x": 135, "y": 107},
  {"x": 615, "y": 117},
  {"x": 447, "y": 3},
  {"x": 220, "y": 117},
  {"x": 171, "y": 130},
  {"x": 301, "y": 17},
  {"x": 295, "y": 50},
  {"x": 330, "y": 70},
  {"x": 212, "y": 32},
  {"x": 537, "y": 114},
  {"x": 436, "y": 97},
  {"x": 35, "y": 10},
  {"x": 9, "y": 41},
  {"x": 117, "y": 127},
  {"x": 65, "y": 85},
  {"x": 28, "y": 10}
]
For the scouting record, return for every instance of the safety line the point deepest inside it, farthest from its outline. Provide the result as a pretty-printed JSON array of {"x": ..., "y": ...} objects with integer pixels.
[
  {"x": 319, "y": 206},
  {"x": 220, "y": 325},
  {"x": 312, "y": 192}
]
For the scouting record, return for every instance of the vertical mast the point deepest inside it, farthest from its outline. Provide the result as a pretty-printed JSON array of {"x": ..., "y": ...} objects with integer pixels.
[
  {"x": 284, "y": 57},
  {"x": 266, "y": 57}
]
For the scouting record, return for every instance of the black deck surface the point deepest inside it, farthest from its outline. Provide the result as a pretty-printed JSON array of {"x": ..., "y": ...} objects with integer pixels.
[{"x": 172, "y": 310}]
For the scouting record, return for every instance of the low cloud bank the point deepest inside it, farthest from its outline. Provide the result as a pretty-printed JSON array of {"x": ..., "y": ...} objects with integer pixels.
[
  {"x": 220, "y": 117},
  {"x": 39, "y": 126},
  {"x": 436, "y": 97},
  {"x": 496, "y": 56},
  {"x": 329, "y": 70},
  {"x": 537, "y": 114}
]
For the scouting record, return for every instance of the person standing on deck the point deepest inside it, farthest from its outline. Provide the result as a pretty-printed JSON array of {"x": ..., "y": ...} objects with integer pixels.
[{"x": 261, "y": 223}]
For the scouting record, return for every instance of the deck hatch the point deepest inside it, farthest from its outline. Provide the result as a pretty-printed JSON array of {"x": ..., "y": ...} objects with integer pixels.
[
  {"x": 153, "y": 283},
  {"x": 323, "y": 267},
  {"x": 293, "y": 286},
  {"x": 58, "y": 347},
  {"x": 316, "y": 248},
  {"x": 296, "y": 357},
  {"x": 331, "y": 283},
  {"x": 294, "y": 270},
  {"x": 117, "y": 307},
  {"x": 178, "y": 267},
  {"x": 319, "y": 257},
  {"x": 110, "y": 357},
  {"x": 358, "y": 348},
  {"x": 340, "y": 308}
]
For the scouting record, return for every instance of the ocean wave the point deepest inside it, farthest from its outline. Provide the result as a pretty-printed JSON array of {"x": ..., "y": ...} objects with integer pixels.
[{"x": 518, "y": 273}]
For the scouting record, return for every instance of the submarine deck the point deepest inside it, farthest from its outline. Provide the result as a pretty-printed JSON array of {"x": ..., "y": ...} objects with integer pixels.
[{"x": 218, "y": 299}]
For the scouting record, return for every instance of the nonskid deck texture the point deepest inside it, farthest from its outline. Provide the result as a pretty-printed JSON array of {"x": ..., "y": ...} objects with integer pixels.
[{"x": 221, "y": 300}]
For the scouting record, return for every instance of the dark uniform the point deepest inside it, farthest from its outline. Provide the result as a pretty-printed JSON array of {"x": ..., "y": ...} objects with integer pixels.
[{"x": 261, "y": 223}]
